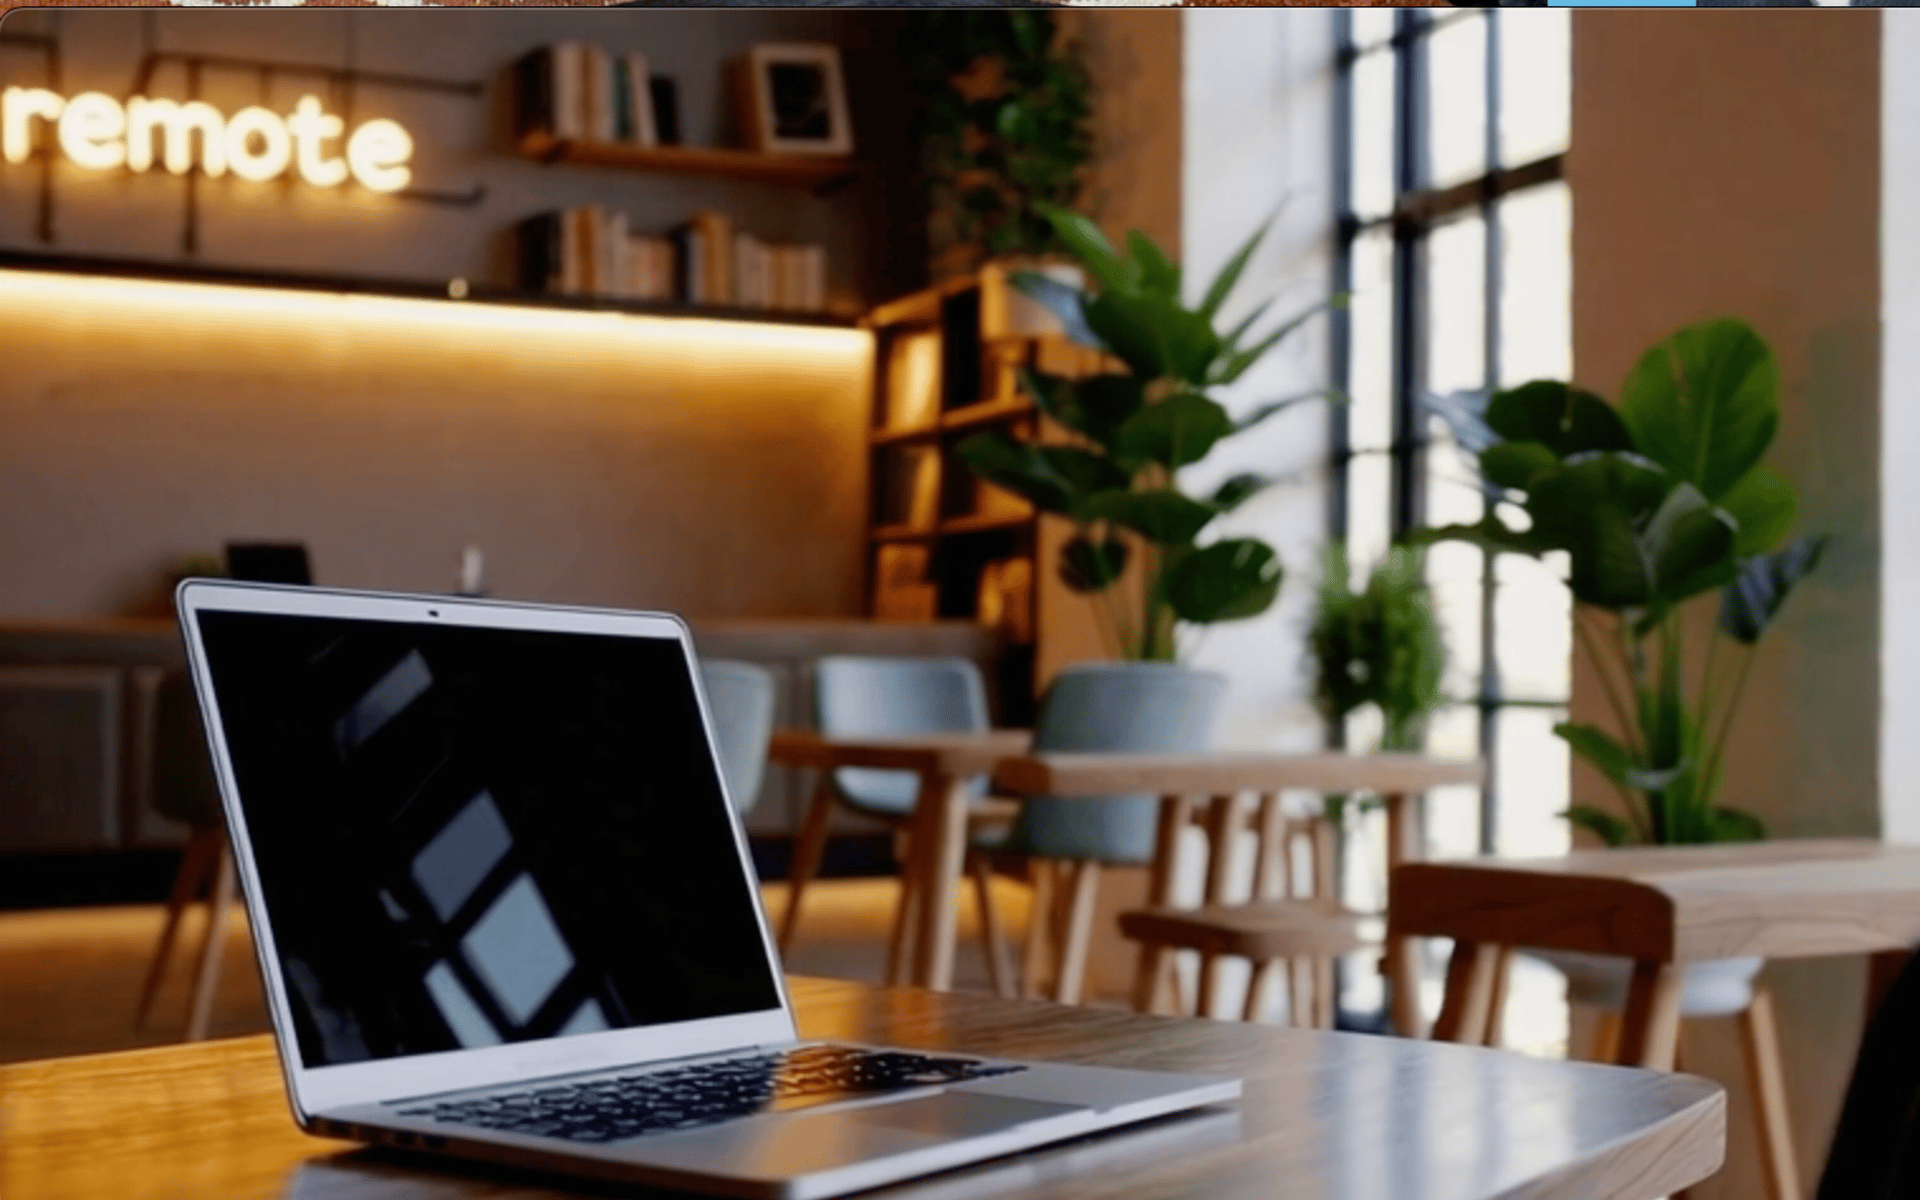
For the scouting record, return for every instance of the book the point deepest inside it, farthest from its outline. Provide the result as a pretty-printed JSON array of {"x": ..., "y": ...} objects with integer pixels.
[
  {"x": 540, "y": 242},
  {"x": 568, "y": 101},
  {"x": 911, "y": 490},
  {"x": 533, "y": 92},
  {"x": 714, "y": 233},
  {"x": 666, "y": 110},
  {"x": 639, "y": 99},
  {"x": 597, "y": 83},
  {"x": 913, "y": 379}
]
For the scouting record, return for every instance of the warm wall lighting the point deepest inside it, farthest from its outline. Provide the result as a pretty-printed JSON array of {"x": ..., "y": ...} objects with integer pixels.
[
  {"x": 97, "y": 132},
  {"x": 153, "y": 304}
]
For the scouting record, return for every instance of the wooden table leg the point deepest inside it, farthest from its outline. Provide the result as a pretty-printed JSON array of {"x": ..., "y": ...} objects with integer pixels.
[
  {"x": 1650, "y": 1029},
  {"x": 1466, "y": 1011},
  {"x": 1150, "y": 975},
  {"x": 1402, "y": 963},
  {"x": 1760, "y": 1044},
  {"x": 943, "y": 824}
]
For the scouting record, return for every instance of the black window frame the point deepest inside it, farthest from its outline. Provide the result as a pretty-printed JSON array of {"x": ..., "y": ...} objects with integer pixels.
[{"x": 1416, "y": 211}]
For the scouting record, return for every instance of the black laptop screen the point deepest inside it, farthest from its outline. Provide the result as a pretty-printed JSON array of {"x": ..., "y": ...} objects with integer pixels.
[{"x": 474, "y": 836}]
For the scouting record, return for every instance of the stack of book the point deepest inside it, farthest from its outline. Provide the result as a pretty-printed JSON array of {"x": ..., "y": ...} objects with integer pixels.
[
  {"x": 590, "y": 251},
  {"x": 573, "y": 90}
]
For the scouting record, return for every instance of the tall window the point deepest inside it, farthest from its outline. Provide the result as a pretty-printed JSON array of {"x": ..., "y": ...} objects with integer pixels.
[{"x": 1454, "y": 244}]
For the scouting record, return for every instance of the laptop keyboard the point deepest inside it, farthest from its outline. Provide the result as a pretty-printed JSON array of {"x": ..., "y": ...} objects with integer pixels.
[{"x": 611, "y": 1109}]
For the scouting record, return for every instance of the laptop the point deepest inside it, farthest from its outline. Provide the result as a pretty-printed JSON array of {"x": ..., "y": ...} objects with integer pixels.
[{"x": 504, "y": 910}]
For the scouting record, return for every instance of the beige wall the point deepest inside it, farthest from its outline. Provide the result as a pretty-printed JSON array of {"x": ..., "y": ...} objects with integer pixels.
[
  {"x": 1727, "y": 164},
  {"x": 1134, "y": 58},
  {"x": 704, "y": 467}
]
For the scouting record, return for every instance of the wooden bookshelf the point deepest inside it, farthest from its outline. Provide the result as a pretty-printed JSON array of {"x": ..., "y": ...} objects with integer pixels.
[
  {"x": 788, "y": 170},
  {"x": 973, "y": 416}
]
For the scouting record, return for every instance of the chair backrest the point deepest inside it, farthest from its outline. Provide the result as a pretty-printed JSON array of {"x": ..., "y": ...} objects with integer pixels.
[
  {"x": 740, "y": 696},
  {"x": 1137, "y": 707},
  {"x": 856, "y": 696}
]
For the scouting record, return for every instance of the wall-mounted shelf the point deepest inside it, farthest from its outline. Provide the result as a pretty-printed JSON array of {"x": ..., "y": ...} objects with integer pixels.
[
  {"x": 789, "y": 170},
  {"x": 451, "y": 292}
]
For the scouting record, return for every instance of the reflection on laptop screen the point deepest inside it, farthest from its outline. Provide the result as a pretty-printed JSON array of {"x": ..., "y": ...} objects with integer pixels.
[{"x": 474, "y": 836}]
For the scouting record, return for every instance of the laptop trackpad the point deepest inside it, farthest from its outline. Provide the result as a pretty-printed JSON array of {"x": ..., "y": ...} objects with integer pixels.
[
  {"x": 781, "y": 1146},
  {"x": 947, "y": 1115}
]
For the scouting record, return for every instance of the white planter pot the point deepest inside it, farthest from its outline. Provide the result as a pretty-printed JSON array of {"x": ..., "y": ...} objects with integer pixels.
[
  {"x": 1720, "y": 987},
  {"x": 1006, "y": 311}
]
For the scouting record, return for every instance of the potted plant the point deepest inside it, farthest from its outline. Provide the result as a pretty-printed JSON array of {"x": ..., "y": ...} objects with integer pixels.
[
  {"x": 1658, "y": 502},
  {"x": 1004, "y": 130},
  {"x": 1132, "y": 431},
  {"x": 1379, "y": 646}
]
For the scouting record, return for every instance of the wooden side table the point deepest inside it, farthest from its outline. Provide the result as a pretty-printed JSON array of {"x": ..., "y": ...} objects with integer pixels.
[{"x": 1662, "y": 908}]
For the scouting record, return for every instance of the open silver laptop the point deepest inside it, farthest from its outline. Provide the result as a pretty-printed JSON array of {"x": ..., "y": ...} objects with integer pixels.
[{"x": 504, "y": 910}]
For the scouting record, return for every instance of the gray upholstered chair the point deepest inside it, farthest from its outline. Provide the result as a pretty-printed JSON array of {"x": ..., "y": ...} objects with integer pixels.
[
  {"x": 857, "y": 696},
  {"x": 740, "y": 699},
  {"x": 1132, "y": 707}
]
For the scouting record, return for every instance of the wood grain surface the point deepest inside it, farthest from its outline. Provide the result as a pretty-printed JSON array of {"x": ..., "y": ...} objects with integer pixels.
[
  {"x": 1217, "y": 772},
  {"x": 1784, "y": 899},
  {"x": 1324, "y": 1115}
]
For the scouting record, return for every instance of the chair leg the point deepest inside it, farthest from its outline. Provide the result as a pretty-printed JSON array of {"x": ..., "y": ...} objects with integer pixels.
[
  {"x": 1070, "y": 971},
  {"x": 807, "y": 850},
  {"x": 1300, "y": 993},
  {"x": 1323, "y": 993},
  {"x": 993, "y": 939},
  {"x": 906, "y": 914},
  {"x": 1033, "y": 956},
  {"x": 202, "y": 855},
  {"x": 1760, "y": 1045},
  {"x": 219, "y": 907},
  {"x": 1256, "y": 990}
]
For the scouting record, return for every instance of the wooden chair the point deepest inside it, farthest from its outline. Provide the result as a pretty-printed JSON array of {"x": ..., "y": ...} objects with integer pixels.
[
  {"x": 861, "y": 696},
  {"x": 1290, "y": 922},
  {"x": 184, "y": 789}
]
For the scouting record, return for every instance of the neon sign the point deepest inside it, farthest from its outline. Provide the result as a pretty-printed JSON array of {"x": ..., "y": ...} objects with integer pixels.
[{"x": 99, "y": 133}]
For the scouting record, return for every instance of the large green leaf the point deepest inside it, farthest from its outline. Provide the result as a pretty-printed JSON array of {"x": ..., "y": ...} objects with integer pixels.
[
  {"x": 1688, "y": 544},
  {"x": 1089, "y": 566},
  {"x": 1090, "y": 247},
  {"x": 1600, "y": 749},
  {"x": 1097, "y": 406},
  {"x": 1237, "y": 490},
  {"x": 1173, "y": 432},
  {"x": 1231, "y": 365},
  {"x": 1749, "y": 604},
  {"x": 1514, "y": 464},
  {"x": 1564, "y": 419},
  {"x": 1764, "y": 506},
  {"x": 1222, "y": 285},
  {"x": 1191, "y": 345},
  {"x": 1056, "y": 478},
  {"x": 1591, "y": 506},
  {"x": 1134, "y": 327},
  {"x": 1158, "y": 273},
  {"x": 1162, "y": 516},
  {"x": 1226, "y": 581},
  {"x": 1704, "y": 404}
]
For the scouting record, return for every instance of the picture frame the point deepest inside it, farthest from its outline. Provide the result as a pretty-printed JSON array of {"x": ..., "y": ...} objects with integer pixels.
[{"x": 793, "y": 99}]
